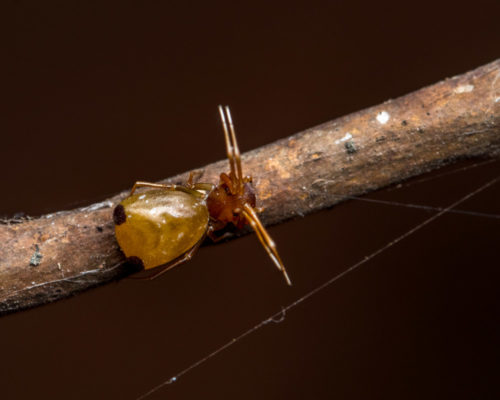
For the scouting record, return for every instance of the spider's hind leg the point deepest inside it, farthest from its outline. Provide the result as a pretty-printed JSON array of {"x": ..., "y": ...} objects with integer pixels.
[{"x": 265, "y": 239}]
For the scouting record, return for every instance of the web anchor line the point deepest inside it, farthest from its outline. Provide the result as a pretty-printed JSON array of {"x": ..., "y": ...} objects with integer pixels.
[
  {"x": 280, "y": 315},
  {"x": 419, "y": 206}
]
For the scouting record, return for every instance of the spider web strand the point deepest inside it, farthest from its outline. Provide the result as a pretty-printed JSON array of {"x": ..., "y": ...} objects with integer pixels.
[{"x": 279, "y": 316}]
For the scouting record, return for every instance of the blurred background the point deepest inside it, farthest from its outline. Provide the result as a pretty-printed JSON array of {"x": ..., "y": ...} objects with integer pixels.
[{"x": 96, "y": 96}]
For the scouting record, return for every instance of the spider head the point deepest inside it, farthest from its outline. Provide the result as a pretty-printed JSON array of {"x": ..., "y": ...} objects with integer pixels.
[{"x": 226, "y": 201}]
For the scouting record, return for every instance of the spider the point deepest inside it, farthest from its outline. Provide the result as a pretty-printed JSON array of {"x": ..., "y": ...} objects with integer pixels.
[{"x": 163, "y": 227}]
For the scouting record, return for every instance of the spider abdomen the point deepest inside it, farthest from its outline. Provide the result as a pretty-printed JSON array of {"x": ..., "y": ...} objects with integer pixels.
[{"x": 158, "y": 226}]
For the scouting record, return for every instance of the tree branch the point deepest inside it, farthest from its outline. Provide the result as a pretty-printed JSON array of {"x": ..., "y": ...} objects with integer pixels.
[{"x": 58, "y": 255}]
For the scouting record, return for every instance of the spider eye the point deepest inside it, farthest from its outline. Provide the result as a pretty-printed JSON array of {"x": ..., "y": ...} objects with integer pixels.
[{"x": 226, "y": 189}]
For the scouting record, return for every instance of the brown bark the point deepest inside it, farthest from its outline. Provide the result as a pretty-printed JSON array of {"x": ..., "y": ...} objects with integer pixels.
[{"x": 58, "y": 255}]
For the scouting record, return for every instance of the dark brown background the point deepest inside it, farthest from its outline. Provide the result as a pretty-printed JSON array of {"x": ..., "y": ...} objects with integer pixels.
[{"x": 95, "y": 97}]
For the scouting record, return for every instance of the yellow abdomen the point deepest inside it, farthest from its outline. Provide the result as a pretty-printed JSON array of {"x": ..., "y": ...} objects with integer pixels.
[{"x": 158, "y": 226}]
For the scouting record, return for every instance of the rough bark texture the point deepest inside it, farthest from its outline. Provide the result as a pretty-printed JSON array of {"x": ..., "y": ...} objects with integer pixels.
[{"x": 61, "y": 254}]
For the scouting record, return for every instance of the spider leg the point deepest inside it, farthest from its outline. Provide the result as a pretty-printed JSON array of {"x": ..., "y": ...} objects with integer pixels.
[
  {"x": 264, "y": 238},
  {"x": 236, "y": 151},
  {"x": 168, "y": 266},
  {"x": 206, "y": 187},
  {"x": 189, "y": 183},
  {"x": 214, "y": 237},
  {"x": 229, "y": 183},
  {"x": 140, "y": 184},
  {"x": 229, "y": 146}
]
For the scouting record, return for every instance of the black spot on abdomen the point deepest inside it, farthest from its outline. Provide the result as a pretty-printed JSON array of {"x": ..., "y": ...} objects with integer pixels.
[
  {"x": 119, "y": 215},
  {"x": 134, "y": 264}
]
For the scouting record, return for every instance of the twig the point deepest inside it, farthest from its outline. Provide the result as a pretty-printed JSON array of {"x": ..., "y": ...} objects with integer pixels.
[{"x": 58, "y": 255}]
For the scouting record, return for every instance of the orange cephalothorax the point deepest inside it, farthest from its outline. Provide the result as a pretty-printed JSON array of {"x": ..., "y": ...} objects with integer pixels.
[{"x": 226, "y": 202}]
